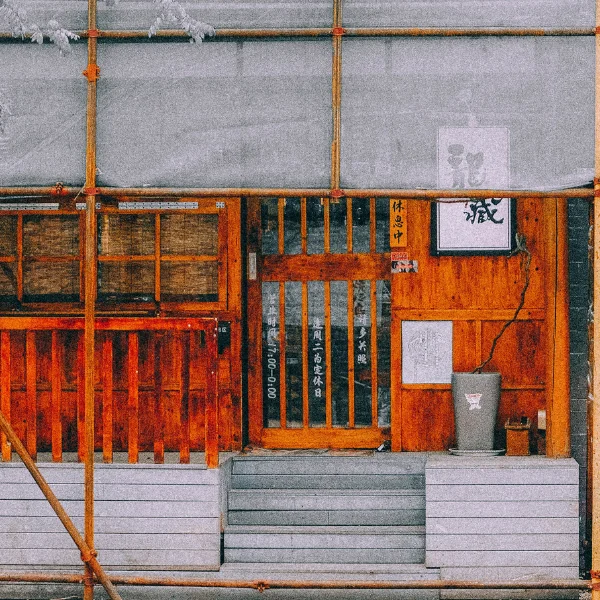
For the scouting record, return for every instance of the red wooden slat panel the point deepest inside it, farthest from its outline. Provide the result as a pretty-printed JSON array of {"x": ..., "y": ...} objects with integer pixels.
[
  {"x": 184, "y": 448},
  {"x": 81, "y": 399},
  {"x": 107, "y": 398},
  {"x": 56, "y": 401},
  {"x": 133, "y": 398},
  {"x": 59, "y": 366},
  {"x": 5, "y": 389},
  {"x": 31, "y": 391},
  {"x": 159, "y": 406}
]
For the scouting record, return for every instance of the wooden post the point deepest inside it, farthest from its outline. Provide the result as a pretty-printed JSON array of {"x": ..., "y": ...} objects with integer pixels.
[
  {"x": 211, "y": 443},
  {"x": 594, "y": 409},
  {"x": 5, "y": 396},
  {"x": 557, "y": 297},
  {"x": 133, "y": 429}
]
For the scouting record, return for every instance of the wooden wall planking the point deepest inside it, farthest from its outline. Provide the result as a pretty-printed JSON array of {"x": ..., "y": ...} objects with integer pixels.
[
  {"x": 45, "y": 391},
  {"x": 478, "y": 294}
]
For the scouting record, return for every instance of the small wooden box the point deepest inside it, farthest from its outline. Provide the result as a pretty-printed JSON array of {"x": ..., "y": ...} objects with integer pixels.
[{"x": 517, "y": 437}]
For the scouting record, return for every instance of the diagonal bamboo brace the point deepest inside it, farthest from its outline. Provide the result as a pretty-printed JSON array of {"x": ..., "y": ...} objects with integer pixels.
[{"x": 87, "y": 554}]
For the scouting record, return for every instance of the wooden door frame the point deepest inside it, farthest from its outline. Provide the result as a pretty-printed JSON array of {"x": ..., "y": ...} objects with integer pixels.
[{"x": 345, "y": 266}]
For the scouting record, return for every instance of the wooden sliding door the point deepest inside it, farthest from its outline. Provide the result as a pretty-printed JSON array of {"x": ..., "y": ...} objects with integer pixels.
[{"x": 319, "y": 322}]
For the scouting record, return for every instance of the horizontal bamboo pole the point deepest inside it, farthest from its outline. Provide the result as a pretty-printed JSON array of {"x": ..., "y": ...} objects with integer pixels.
[
  {"x": 549, "y": 584},
  {"x": 24, "y": 577},
  {"x": 283, "y": 32},
  {"x": 466, "y": 31},
  {"x": 418, "y": 194}
]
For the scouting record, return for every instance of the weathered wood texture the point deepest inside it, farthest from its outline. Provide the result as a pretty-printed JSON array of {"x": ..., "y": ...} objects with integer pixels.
[
  {"x": 142, "y": 403},
  {"x": 480, "y": 293},
  {"x": 503, "y": 517},
  {"x": 42, "y": 374},
  {"x": 477, "y": 293},
  {"x": 146, "y": 516}
]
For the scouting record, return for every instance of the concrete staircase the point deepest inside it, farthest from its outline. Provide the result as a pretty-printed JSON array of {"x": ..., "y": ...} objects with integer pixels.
[{"x": 328, "y": 513}]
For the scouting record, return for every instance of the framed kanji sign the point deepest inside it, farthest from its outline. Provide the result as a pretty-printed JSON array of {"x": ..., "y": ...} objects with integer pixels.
[{"x": 473, "y": 158}]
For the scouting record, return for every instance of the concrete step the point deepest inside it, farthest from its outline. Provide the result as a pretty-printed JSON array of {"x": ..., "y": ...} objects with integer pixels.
[
  {"x": 373, "y": 464},
  {"x": 364, "y": 471},
  {"x": 316, "y": 480},
  {"x": 326, "y": 507},
  {"x": 344, "y": 544},
  {"x": 328, "y": 571}
]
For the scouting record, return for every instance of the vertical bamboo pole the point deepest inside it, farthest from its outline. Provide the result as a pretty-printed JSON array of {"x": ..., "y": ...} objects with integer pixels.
[
  {"x": 91, "y": 73},
  {"x": 336, "y": 94},
  {"x": 594, "y": 411}
]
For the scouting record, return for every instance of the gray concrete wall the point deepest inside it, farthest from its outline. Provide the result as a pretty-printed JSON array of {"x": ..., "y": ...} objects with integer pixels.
[
  {"x": 146, "y": 516},
  {"x": 502, "y": 517}
]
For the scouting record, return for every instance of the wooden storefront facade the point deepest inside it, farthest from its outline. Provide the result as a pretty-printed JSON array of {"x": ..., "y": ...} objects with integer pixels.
[
  {"x": 160, "y": 267},
  {"x": 240, "y": 267}
]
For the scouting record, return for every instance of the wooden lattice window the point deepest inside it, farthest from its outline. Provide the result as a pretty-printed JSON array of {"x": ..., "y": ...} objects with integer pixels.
[
  {"x": 171, "y": 253},
  {"x": 40, "y": 256}
]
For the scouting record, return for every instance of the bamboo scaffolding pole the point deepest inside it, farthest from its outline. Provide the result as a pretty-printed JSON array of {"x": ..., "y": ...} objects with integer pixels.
[
  {"x": 261, "y": 585},
  {"x": 336, "y": 96},
  {"x": 92, "y": 73},
  {"x": 87, "y": 553},
  {"x": 276, "y": 32},
  {"x": 413, "y": 194}
]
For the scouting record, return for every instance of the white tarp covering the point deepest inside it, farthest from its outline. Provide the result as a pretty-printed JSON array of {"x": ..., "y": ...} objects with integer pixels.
[
  {"x": 139, "y": 14},
  {"x": 398, "y": 93},
  {"x": 219, "y": 114},
  {"x": 468, "y": 13},
  {"x": 44, "y": 139},
  {"x": 241, "y": 14}
]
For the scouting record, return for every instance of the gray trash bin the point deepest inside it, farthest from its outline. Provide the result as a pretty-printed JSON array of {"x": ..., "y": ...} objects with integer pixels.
[{"x": 476, "y": 397}]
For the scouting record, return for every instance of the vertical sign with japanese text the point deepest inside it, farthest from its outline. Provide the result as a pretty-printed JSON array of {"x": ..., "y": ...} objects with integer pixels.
[
  {"x": 317, "y": 357},
  {"x": 398, "y": 226},
  {"x": 318, "y": 360},
  {"x": 271, "y": 354},
  {"x": 362, "y": 353}
]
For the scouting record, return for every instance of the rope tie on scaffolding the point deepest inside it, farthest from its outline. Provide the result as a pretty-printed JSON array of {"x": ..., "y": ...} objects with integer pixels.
[
  {"x": 261, "y": 586},
  {"x": 88, "y": 555},
  {"x": 92, "y": 73}
]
